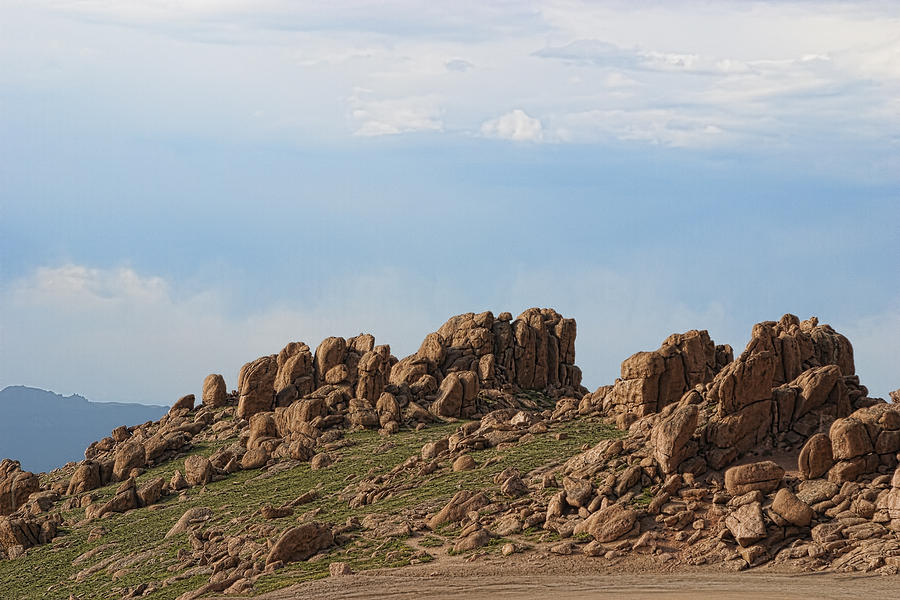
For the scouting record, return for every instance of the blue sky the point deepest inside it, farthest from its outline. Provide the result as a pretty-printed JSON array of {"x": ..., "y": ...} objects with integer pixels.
[{"x": 189, "y": 185}]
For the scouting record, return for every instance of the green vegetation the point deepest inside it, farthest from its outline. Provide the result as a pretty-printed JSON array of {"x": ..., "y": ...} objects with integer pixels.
[{"x": 132, "y": 549}]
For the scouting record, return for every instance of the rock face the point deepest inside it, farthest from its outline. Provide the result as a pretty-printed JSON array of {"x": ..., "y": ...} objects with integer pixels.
[
  {"x": 256, "y": 386},
  {"x": 214, "y": 391},
  {"x": 653, "y": 380},
  {"x": 25, "y": 532},
  {"x": 198, "y": 470},
  {"x": 790, "y": 508},
  {"x": 15, "y": 486},
  {"x": 536, "y": 351},
  {"x": 299, "y": 543}
]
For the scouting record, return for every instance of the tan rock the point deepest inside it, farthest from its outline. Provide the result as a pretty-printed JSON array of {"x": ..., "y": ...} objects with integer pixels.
[
  {"x": 464, "y": 463},
  {"x": 255, "y": 458},
  {"x": 185, "y": 402},
  {"x": 256, "y": 387},
  {"x": 192, "y": 516},
  {"x": 849, "y": 439},
  {"x": 746, "y": 524},
  {"x": 815, "y": 458},
  {"x": 129, "y": 455},
  {"x": 300, "y": 543},
  {"x": 198, "y": 470},
  {"x": 791, "y": 508},
  {"x": 764, "y": 476},
  {"x": 608, "y": 524},
  {"x": 330, "y": 353},
  {"x": 671, "y": 435},
  {"x": 214, "y": 391},
  {"x": 85, "y": 478}
]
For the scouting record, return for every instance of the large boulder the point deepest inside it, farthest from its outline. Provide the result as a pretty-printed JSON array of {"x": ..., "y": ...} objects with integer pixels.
[
  {"x": 300, "y": 543},
  {"x": 198, "y": 470},
  {"x": 650, "y": 381},
  {"x": 746, "y": 524},
  {"x": 129, "y": 455},
  {"x": 330, "y": 353},
  {"x": 256, "y": 387},
  {"x": 671, "y": 435},
  {"x": 294, "y": 378},
  {"x": 609, "y": 524},
  {"x": 764, "y": 476},
  {"x": 214, "y": 391},
  {"x": 85, "y": 478},
  {"x": 456, "y": 395},
  {"x": 816, "y": 457},
  {"x": 22, "y": 532},
  {"x": 849, "y": 439},
  {"x": 262, "y": 428},
  {"x": 183, "y": 403},
  {"x": 15, "y": 486},
  {"x": 790, "y": 508}
]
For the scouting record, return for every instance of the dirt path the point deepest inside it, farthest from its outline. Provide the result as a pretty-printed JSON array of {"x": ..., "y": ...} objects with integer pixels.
[{"x": 576, "y": 578}]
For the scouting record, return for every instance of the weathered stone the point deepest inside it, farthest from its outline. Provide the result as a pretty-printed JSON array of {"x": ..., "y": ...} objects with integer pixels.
[
  {"x": 764, "y": 476},
  {"x": 183, "y": 403},
  {"x": 609, "y": 524},
  {"x": 300, "y": 543},
  {"x": 746, "y": 524},
  {"x": 256, "y": 387},
  {"x": 671, "y": 435},
  {"x": 849, "y": 439},
  {"x": 129, "y": 455},
  {"x": 791, "y": 508},
  {"x": 815, "y": 458},
  {"x": 85, "y": 478},
  {"x": 214, "y": 391},
  {"x": 191, "y": 517},
  {"x": 198, "y": 470}
]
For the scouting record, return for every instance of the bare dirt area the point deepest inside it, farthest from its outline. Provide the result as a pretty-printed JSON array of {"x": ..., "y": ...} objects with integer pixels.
[{"x": 540, "y": 576}]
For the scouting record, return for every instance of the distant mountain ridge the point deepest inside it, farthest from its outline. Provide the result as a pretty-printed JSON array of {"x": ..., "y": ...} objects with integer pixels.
[{"x": 44, "y": 430}]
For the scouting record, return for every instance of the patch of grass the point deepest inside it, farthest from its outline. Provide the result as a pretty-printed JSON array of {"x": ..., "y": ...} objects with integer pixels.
[
  {"x": 431, "y": 541},
  {"x": 644, "y": 499},
  {"x": 47, "y": 571}
]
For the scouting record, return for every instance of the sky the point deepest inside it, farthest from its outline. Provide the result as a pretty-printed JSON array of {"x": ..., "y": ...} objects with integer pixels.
[{"x": 188, "y": 185}]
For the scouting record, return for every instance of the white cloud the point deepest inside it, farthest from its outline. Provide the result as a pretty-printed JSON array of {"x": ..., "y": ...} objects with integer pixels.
[
  {"x": 374, "y": 117},
  {"x": 659, "y": 127},
  {"x": 515, "y": 125},
  {"x": 673, "y": 73}
]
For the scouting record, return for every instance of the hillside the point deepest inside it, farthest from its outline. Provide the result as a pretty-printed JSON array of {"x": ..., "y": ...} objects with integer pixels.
[
  {"x": 45, "y": 430},
  {"x": 481, "y": 446}
]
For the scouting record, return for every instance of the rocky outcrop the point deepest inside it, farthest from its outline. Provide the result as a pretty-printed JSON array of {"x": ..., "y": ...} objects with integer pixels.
[
  {"x": 536, "y": 351},
  {"x": 652, "y": 380}
]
